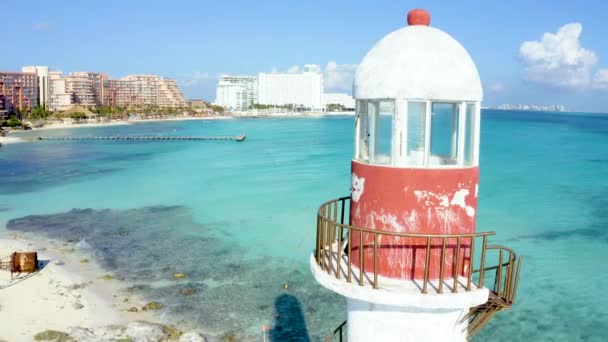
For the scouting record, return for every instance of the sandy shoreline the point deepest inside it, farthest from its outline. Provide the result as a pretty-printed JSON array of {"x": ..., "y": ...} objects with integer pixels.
[
  {"x": 124, "y": 122},
  {"x": 14, "y": 139},
  {"x": 64, "y": 293},
  {"x": 10, "y": 140}
]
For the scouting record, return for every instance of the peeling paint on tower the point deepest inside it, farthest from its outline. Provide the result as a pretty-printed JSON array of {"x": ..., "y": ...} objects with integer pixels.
[{"x": 413, "y": 200}]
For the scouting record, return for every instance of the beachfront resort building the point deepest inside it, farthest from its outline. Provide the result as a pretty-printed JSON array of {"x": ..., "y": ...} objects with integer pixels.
[
  {"x": 341, "y": 100},
  {"x": 94, "y": 84},
  {"x": 81, "y": 88},
  {"x": 170, "y": 94},
  {"x": 44, "y": 91},
  {"x": 138, "y": 91},
  {"x": 37, "y": 85},
  {"x": 236, "y": 93},
  {"x": 304, "y": 90},
  {"x": 18, "y": 90},
  {"x": 60, "y": 99}
]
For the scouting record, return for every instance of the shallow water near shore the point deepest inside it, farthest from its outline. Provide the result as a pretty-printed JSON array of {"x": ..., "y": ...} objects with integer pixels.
[{"x": 239, "y": 218}]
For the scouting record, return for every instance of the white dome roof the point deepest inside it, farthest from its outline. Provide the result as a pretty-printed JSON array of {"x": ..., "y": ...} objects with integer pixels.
[{"x": 418, "y": 62}]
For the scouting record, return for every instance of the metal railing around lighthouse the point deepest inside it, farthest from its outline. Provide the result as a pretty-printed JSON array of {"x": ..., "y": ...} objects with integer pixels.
[{"x": 335, "y": 254}]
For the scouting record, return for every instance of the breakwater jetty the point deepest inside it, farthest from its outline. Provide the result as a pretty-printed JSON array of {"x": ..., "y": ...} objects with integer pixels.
[{"x": 237, "y": 138}]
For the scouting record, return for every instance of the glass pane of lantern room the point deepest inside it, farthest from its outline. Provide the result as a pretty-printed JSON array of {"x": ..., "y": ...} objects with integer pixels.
[
  {"x": 469, "y": 139},
  {"x": 416, "y": 113},
  {"x": 384, "y": 111},
  {"x": 363, "y": 144},
  {"x": 444, "y": 134}
]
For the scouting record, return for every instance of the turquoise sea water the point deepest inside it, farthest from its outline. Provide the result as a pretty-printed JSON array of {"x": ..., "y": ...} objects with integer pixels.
[{"x": 239, "y": 218}]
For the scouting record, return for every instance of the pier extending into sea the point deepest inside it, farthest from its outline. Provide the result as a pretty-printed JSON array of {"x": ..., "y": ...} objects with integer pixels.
[{"x": 237, "y": 138}]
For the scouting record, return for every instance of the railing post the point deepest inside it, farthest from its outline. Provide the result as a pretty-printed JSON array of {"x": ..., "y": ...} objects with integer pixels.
[
  {"x": 483, "y": 260},
  {"x": 508, "y": 279},
  {"x": 427, "y": 261},
  {"x": 499, "y": 273},
  {"x": 441, "y": 265},
  {"x": 470, "y": 273},
  {"x": 376, "y": 261},
  {"x": 350, "y": 255},
  {"x": 361, "y": 265},
  {"x": 456, "y": 265},
  {"x": 338, "y": 270},
  {"x": 331, "y": 227},
  {"x": 318, "y": 249},
  {"x": 516, "y": 280},
  {"x": 324, "y": 237},
  {"x": 342, "y": 209}
]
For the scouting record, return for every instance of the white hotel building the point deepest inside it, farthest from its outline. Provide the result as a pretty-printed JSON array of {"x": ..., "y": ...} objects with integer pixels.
[
  {"x": 44, "y": 91},
  {"x": 303, "y": 89},
  {"x": 236, "y": 93}
]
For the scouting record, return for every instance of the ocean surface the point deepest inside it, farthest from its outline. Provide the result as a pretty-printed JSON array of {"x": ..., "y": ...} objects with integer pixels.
[{"x": 239, "y": 218}]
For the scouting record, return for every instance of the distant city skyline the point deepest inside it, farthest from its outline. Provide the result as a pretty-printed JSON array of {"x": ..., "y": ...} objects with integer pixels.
[{"x": 558, "y": 56}]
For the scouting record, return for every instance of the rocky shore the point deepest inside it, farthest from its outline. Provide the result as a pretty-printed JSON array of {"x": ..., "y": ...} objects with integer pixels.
[
  {"x": 71, "y": 299},
  {"x": 138, "y": 331}
]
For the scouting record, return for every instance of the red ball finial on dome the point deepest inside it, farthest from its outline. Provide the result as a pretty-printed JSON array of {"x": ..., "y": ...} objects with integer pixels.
[{"x": 418, "y": 17}]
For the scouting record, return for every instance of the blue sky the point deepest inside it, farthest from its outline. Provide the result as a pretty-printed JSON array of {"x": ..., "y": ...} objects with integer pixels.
[{"x": 195, "y": 41}]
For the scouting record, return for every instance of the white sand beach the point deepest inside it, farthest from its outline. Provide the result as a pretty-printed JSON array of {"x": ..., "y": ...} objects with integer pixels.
[
  {"x": 65, "y": 125},
  {"x": 59, "y": 296},
  {"x": 10, "y": 140},
  {"x": 62, "y": 125}
]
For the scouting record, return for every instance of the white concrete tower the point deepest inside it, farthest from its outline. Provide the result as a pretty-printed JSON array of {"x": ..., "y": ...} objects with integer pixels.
[
  {"x": 403, "y": 248},
  {"x": 44, "y": 91}
]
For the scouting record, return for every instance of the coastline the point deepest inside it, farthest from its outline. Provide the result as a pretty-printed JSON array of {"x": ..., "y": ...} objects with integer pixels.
[
  {"x": 66, "y": 292},
  {"x": 10, "y": 140},
  {"x": 121, "y": 122},
  {"x": 243, "y": 115}
]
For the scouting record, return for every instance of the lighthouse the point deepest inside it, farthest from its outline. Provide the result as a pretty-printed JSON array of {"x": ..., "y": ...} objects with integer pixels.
[{"x": 403, "y": 248}]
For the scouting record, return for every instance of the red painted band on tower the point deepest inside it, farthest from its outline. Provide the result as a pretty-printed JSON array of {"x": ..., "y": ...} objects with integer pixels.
[{"x": 413, "y": 200}]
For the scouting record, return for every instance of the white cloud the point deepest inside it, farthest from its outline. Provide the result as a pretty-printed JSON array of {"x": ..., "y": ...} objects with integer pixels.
[
  {"x": 196, "y": 78},
  {"x": 600, "y": 81},
  {"x": 294, "y": 69},
  {"x": 339, "y": 76},
  {"x": 41, "y": 26},
  {"x": 559, "y": 60},
  {"x": 497, "y": 88}
]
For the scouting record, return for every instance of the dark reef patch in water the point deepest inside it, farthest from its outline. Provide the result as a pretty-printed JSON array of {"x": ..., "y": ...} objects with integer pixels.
[
  {"x": 596, "y": 229},
  {"x": 560, "y": 319},
  {"x": 35, "y": 167},
  {"x": 35, "y": 181},
  {"x": 114, "y": 157},
  {"x": 602, "y": 161},
  {"x": 223, "y": 290},
  {"x": 558, "y": 235}
]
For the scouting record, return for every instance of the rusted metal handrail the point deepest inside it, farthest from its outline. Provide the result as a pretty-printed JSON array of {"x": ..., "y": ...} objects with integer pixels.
[
  {"x": 333, "y": 234},
  {"x": 338, "y": 332},
  {"x": 330, "y": 250},
  {"x": 504, "y": 289}
]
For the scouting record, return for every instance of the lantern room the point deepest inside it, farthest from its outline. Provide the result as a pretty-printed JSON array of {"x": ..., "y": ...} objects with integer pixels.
[
  {"x": 415, "y": 166},
  {"x": 418, "y": 101}
]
